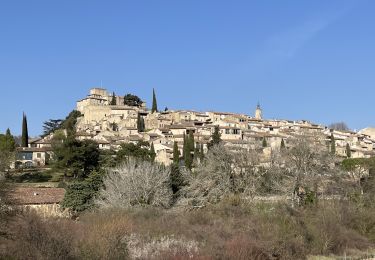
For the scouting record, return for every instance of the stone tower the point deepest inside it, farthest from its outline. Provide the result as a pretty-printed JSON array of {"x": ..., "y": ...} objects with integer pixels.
[{"x": 258, "y": 113}]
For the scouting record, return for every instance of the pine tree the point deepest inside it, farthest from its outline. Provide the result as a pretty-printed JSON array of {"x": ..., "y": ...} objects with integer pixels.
[
  {"x": 176, "y": 153},
  {"x": 152, "y": 152},
  {"x": 113, "y": 101},
  {"x": 264, "y": 142},
  {"x": 282, "y": 145},
  {"x": 333, "y": 144},
  {"x": 348, "y": 151},
  {"x": 25, "y": 134},
  {"x": 215, "y": 138},
  {"x": 154, "y": 102}
]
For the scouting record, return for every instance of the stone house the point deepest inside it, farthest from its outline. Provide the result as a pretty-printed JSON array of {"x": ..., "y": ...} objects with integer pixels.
[
  {"x": 43, "y": 201},
  {"x": 27, "y": 157}
]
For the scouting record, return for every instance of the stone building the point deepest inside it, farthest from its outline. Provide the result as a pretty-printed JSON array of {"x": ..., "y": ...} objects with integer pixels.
[
  {"x": 112, "y": 125},
  {"x": 43, "y": 201}
]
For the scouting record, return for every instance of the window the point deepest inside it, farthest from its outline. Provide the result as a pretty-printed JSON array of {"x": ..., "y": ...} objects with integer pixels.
[
  {"x": 227, "y": 131},
  {"x": 39, "y": 155}
]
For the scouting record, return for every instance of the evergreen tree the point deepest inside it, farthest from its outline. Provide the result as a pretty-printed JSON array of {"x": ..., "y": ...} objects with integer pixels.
[
  {"x": 132, "y": 100},
  {"x": 187, "y": 152},
  {"x": 113, "y": 100},
  {"x": 176, "y": 178},
  {"x": 25, "y": 134},
  {"x": 80, "y": 194},
  {"x": 184, "y": 146},
  {"x": 7, "y": 142},
  {"x": 10, "y": 142},
  {"x": 264, "y": 142},
  {"x": 282, "y": 145},
  {"x": 215, "y": 138},
  {"x": 7, "y": 147},
  {"x": 165, "y": 109},
  {"x": 348, "y": 151},
  {"x": 333, "y": 144},
  {"x": 196, "y": 153},
  {"x": 176, "y": 153},
  {"x": 152, "y": 152},
  {"x": 69, "y": 123},
  {"x": 191, "y": 141},
  {"x": 201, "y": 154},
  {"x": 154, "y": 102},
  {"x": 140, "y": 123},
  {"x": 51, "y": 126}
]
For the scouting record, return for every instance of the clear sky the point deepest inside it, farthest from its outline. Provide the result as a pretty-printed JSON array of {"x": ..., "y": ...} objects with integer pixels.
[{"x": 310, "y": 60}]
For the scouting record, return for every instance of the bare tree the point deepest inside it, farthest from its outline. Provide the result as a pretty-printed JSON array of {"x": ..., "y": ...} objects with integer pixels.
[
  {"x": 136, "y": 183},
  {"x": 340, "y": 126},
  {"x": 302, "y": 168},
  {"x": 6, "y": 212},
  {"x": 6, "y": 159},
  {"x": 223, "y": 172}
]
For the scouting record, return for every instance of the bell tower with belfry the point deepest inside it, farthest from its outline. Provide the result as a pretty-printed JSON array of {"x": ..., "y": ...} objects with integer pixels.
[{"x": 258, "y": 112}]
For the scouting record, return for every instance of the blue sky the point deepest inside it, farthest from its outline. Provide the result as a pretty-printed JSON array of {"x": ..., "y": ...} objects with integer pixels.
[{"x": 300, "y": 59}]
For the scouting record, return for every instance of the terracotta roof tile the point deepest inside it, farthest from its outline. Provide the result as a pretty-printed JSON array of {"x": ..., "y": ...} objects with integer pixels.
[{"x": 29, "y": 195}]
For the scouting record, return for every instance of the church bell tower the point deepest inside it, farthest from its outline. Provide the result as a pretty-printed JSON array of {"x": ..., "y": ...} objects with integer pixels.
[{"x": 258, "y": 112}]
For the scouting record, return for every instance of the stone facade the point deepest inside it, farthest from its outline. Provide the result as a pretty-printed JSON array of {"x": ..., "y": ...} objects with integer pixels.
[{"x": 112, "y": 125}]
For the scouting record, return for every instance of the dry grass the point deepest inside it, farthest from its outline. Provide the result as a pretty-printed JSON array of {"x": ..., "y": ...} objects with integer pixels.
[{"x": 226, "y": 231}]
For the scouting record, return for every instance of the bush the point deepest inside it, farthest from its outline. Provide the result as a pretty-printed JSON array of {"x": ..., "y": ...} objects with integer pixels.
[{"x": 136, "y": 183}]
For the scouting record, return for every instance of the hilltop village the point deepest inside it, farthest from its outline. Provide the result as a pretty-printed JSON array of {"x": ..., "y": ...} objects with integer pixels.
[{"x": 106, "y": 119}]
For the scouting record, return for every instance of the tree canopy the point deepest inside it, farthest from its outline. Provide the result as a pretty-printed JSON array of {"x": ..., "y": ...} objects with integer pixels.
[
  {"x": 340, "y": 126},
  {"x": 215, "y": 138},
  {"x": 132, "y": 100},
  {"x": 51, "y": 126},
  {"x": 7, "y": 147},
  {"x": 76, "y": 158},
  {"x": 140, "y": 151}
]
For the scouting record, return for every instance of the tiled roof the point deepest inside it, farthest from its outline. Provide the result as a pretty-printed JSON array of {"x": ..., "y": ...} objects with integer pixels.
[
  {"x": 29, "y": 195},
  {"x": 33, "y": 149}
]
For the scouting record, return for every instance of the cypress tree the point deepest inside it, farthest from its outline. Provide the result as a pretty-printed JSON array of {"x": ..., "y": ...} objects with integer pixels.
[
  {"x": 201, "y": 154},
  {"x": 176, "y": 178},
  {"x": 154, "y": 102},
  {"x": 152, "y": 152},
  {"x": 25, "y": 134},
  {"x": 215, "y": 137},
  {"x": 196, "y": 153},
  {"x": 184, "y": 146},
  {"x": 176, "y": 153},
  {"x": 264, "y": 142},
  {"x": 348, "y": 151},
  {"x": 187, "y": 152},
  {"x": 191, "y": 141},
  {"x": 282, "y": 145},
  {"x": 140, "y": 123},
  {"x": 333, "y": 144},
  {"x": 113, "y": 101}
]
